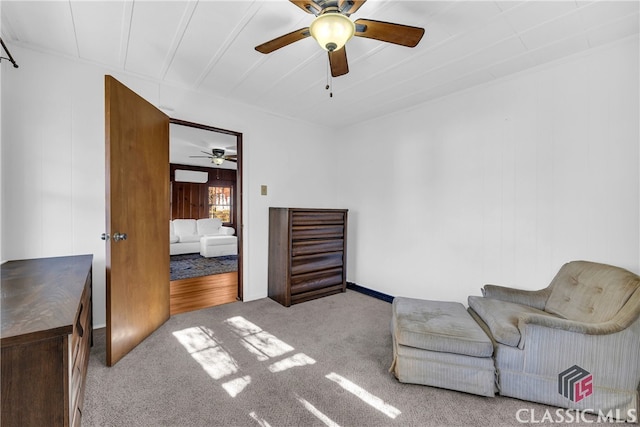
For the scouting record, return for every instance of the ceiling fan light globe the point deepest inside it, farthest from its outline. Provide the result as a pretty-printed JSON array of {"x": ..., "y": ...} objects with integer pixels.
[
  {"x": 217, "y": 160},
  {"x": 332, "y": 30}
]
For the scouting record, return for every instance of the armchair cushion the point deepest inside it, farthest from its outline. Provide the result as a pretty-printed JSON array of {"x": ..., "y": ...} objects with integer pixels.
[
  {"x": 209, "y": 226},
  {"x": 502, "y": 317},
  {"x": 184, "y": 227},
  {"x": 590, "y": 293}
]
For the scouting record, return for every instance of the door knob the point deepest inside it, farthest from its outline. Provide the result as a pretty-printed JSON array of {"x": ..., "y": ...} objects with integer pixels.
[
  {"x": 105, "y": 236},
  {"x": 119, "y": 236}
]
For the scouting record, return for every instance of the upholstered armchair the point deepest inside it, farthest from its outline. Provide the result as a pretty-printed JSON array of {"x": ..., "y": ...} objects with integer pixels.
[{"x": 574, "y": 344}]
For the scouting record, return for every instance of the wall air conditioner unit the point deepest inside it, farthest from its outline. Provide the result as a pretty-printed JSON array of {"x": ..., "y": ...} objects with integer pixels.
[{"x": 197, "y": 177}]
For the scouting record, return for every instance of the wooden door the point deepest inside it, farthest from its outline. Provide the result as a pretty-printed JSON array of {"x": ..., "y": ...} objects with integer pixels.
[{"x": 137, "y": 196}]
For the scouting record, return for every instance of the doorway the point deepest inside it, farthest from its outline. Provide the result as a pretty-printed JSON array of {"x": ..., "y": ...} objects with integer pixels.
[{"x": 206, "y": 182}]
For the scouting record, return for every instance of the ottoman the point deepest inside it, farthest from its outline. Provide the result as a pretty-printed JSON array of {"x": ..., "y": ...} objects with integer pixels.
[
  {"x": 437, "y": 343},
  {"x": 218, "y": 245}
]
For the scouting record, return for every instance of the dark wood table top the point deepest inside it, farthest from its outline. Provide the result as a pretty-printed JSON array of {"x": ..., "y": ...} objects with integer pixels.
[{"x": 40, "y": 297}]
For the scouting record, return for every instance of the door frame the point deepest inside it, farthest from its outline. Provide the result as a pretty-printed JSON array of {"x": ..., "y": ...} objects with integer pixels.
[{"x": 239, "y": 181}]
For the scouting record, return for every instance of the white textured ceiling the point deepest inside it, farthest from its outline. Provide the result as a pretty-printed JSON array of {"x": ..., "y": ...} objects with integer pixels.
[{"x": 208, "y": 46}]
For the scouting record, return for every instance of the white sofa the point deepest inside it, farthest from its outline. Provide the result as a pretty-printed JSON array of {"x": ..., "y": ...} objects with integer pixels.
[{"x": 207, "y": 236}]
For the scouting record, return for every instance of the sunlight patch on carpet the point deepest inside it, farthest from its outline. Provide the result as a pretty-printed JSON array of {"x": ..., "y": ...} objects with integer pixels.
[
  {"x": 317, "y": 413},
  {"x": 235, "y": 387},
  {"x": 200, "y": 343},
  {"x": 257, "y": 341},
  {"x": 260, "y": 421},
  {"x": 299, "y": 359},
  {"x": 373, "y": 401}
]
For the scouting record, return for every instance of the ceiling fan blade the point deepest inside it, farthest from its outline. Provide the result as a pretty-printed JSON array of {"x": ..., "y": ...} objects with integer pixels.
[
  {"x": 308, "y": 6},
  {"x": 283, "y": 41},
  {"x": 350, "y": 6},
  {"x": 338, "y": 61},
  {"x": 201, "y": 156},
  {"x": 403, "y": 35},
  {"x": 231, "y": 160}
]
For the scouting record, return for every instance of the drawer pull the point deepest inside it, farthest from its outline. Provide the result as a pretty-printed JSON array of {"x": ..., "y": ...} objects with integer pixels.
[{"x": 78, "y": 323}]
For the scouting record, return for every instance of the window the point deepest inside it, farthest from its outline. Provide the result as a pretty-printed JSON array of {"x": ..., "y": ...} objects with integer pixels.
[{"x": 220, "y": 203}]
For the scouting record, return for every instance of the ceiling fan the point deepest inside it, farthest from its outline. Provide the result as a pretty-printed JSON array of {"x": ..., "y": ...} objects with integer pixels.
[
  {"x": 217, "y": 156},
  {"x": 332, "y": 28}
]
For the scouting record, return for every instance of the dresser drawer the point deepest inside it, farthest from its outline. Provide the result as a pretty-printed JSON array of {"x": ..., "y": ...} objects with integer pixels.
[
  {"x": 77, "y": 419},
  {"x": 311, "y": 218},
  {"x": 317, "y": 232},
  {"x": 316, "y": 280},
  {"x": 322, "y": 292},
  {"x": 81, "y": 343},
  {"x": 309, "y": 263},
  {"x": 307, "y": 247},
  {"x": 81, "y": 326},
  {"x": 75, "y": 388}
]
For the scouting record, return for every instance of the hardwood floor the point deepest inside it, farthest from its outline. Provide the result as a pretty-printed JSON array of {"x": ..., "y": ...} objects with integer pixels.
[{"x": 201, "y": 292}]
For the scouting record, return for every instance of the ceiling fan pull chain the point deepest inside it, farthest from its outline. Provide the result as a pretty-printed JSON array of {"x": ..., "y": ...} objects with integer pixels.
[
  {"x": 329, "y": 78},
  {"x": 331, "y": 84}
]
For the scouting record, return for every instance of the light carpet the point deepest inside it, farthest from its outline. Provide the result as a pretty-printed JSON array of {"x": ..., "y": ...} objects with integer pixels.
[{"x": 320, "y": 363}]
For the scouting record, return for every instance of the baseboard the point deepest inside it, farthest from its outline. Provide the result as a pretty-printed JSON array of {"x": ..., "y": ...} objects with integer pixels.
[{"x": 369, "y": 292}]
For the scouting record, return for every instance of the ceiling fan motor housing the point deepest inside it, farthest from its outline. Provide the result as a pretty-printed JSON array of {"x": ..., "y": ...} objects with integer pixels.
[{"x": 332, "y": 29}]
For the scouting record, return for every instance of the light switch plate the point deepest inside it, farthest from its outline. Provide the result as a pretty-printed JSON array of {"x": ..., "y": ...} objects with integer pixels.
[{"x": 263, "y": 190}]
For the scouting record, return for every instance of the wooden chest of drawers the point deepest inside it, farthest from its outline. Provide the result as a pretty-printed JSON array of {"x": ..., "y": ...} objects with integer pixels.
[
  {"x": 46, "y": 337},
  {"x": 307, "y": 253}
]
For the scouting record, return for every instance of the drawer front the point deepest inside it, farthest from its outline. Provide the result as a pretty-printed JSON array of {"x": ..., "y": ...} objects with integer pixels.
[
  {"x": 318, "y": 293},
  {"x": 81, "y": 325},
  {"x": 81, "y": 346},
  {"x": 74, "y": 388},
  {"x": 320, "y": 217},
  {"x": 317, "y": 232},
  {"x": 309, "y": 263},
  {"x": 316, "y": 280},
  {"x": 77, "y": 419},
  {"x": 307, "y": 247}
]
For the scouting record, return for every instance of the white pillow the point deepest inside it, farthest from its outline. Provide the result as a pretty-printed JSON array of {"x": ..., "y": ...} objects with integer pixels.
[
  {"x": 189, "y": 238},
  {"x": 184, "y": 227},
  {"x": 209, "y": 226}
]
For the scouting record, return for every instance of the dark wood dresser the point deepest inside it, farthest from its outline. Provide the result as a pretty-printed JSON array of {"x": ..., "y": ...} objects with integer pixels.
[
  {"x": 46, "y": 337},
  {"x": 307, "y": 253}
]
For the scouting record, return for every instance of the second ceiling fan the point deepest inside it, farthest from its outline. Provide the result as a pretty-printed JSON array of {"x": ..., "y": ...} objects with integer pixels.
[
  {"x": 332, "y": 28},
  {"x": 217, "y": 156}
]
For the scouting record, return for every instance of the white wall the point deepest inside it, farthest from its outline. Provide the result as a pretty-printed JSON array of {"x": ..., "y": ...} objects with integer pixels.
[
  {"x": 53, "y": 164},
  {"x": 500, "y": 184}
]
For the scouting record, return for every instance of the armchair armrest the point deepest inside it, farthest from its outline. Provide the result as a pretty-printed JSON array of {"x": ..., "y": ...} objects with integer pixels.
[
  {"x": 605, "y": 328},
  {"x": 551, "y": 344},
  {"x": 536, "y": 299},
  {"x": 227, "y": 231}
]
